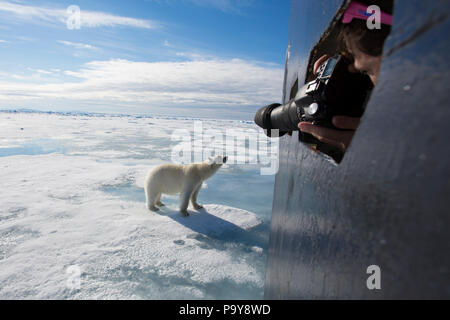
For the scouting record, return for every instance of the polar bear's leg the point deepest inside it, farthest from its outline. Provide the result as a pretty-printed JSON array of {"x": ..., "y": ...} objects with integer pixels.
[
  {"x": 158, "y": 200},
  {"x": 147, "y": 197},
  {"x": 185, "y": 195},
  {"x": 150, "y": 195},
  {"x": 194, "y": 197}
]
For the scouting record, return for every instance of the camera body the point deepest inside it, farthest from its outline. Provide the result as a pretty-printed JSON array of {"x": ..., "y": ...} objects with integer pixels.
[
  {"x": 334, "y": 91},
  {"x": 312, "y": 100}
]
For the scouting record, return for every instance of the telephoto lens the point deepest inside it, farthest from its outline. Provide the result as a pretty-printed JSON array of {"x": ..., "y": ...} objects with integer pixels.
[
  {"x": 275, "y": 116},
  {"x": 262, "y": 118},
  {"x": 334, "y": 91}
]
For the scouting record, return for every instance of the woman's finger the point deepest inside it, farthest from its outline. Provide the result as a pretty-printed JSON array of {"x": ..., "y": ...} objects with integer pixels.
[
  {"x": 316, "y": 131},
  {"x": 322, "y": 134},
  {"x": 343, "y": 122},
  {"x": 321, "y": 60},
  {"x": 336, "y": 138}
]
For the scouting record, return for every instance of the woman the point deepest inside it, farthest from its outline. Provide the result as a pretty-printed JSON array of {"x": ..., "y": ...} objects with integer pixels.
[{"x": 364, "y": 47}]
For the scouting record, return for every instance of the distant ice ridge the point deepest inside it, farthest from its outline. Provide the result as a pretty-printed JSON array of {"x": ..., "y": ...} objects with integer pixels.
[
  {"x": 73, "y": 197},
  {"x": 113, "y": 115}
]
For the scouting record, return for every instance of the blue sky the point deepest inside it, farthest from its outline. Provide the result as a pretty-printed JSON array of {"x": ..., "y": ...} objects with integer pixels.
[{"x": 142, "y": 56}]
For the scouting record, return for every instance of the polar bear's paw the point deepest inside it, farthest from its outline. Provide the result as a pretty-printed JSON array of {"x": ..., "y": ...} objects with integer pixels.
[
  {"x": 185, "y": 213},
  {"x": 198, "y": 206},
  {"x": 153, "y": 208},
  {"x": 160, "y": 204}
]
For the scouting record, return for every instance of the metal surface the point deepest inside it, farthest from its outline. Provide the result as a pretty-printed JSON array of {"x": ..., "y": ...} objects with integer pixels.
[{"x": 387, "y": 203}]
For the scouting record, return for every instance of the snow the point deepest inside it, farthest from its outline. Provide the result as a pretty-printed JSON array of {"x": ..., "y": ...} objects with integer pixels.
[{"x": 72, "y": 196}]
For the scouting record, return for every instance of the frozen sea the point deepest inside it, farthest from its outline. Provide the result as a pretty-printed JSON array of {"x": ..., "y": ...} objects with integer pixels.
[{"x": 73, "y": 222}]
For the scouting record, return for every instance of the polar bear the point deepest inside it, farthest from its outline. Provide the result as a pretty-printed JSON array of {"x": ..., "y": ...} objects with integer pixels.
[{"x": 184, "y": 179}]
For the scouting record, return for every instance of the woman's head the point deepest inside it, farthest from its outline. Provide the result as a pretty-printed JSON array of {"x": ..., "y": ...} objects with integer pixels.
[{"x": 363, "y": 45}]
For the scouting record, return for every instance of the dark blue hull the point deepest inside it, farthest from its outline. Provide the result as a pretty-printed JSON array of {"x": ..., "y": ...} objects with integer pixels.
[{"x": 387, "y": 203}]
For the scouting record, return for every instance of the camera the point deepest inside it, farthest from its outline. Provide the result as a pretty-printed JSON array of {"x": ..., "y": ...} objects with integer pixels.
[{"x": 334, "y": 91}]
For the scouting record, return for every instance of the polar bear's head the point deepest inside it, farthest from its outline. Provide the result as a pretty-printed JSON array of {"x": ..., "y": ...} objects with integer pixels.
[
  {"x": 211, "y": 166},
  {"x": 217, "y": 161}
]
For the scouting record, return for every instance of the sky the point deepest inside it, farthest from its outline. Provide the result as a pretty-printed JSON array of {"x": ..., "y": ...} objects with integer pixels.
[{"x": 173, "y": 57}]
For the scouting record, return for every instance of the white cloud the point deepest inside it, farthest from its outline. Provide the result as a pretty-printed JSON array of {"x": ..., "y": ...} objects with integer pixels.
[
  {"x": 77, "y": 45},
  {"x": 227, "y": 6},
  {"x": 89, "y": 19},
  {"x": 42, "y": 71},
  {"x": 34, "y": 75},
  {"x": 230, "y": 6},
  {"x": 209, "y": 83}
]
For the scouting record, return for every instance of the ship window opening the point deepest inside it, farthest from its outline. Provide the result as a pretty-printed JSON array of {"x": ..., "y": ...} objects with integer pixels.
[{"x": 342, "y": 71}]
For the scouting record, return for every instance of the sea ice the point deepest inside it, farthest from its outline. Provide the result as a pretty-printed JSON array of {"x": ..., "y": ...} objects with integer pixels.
[{"x": 72, "y": 197}]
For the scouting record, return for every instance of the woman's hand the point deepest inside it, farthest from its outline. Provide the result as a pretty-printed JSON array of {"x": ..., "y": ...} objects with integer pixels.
[
  {"x": 337, "y": 138},
  {"x": 319, "y": 61}
]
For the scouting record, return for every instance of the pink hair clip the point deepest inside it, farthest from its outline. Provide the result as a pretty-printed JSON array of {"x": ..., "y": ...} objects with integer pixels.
[{"x": 359, "y": 11}]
